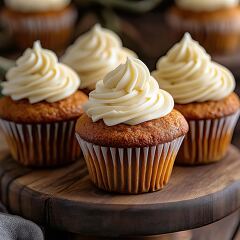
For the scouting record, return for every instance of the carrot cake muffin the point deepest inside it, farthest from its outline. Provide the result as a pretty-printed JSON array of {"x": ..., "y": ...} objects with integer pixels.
[
  {"x": 215, "y": 24},
  {"x": 40, "y": 108},
  {"x": 50, "y": 21},
  {"x": 130, "y": 134},
  {"x": 203, "y": 93}
]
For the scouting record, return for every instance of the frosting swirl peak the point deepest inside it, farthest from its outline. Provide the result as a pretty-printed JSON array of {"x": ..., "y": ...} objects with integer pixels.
[
  {"x": 94, "y": 54},
  {"x": 128, "y": 95},
  {"x": 206, "y": 5},
  {"x": 189, "y": 75},
  {"x": 38, "y": 76}
]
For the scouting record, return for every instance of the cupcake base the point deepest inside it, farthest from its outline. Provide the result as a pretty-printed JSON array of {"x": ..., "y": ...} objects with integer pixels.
[
  {"x": 130, "y": 170},
  {"x": 218, "y": 31},
  {"x": 54, "y": 29},
  {"x": 207, "y": 140},
  {"x": 42, "y": 145}
]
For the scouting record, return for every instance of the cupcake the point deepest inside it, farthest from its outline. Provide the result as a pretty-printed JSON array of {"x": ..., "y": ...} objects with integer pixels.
[
  {"x": 130, "y": 134},
  {"x": 40, "y": 108},
  {"x": 215, "y": 24},
  {"x": 203, "y": 93},
  {"x": 50, "y": 21},
  {"x": 95, "y": 54}
]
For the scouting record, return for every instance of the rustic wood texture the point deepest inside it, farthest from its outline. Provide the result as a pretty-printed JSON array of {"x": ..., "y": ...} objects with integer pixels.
[
  {"x": 221, "y": 230},
  {"x": 65, "y": 199}
]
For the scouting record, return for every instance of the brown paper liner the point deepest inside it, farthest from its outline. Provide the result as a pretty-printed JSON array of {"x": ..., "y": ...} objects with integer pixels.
[
  {"x": 207, "y": 140},
  {"x": 216, "y": 37},
  {"x": 42, "y": 145},
  {"x": 53, "y": 30},
  {"x": 130, "y": 170}
]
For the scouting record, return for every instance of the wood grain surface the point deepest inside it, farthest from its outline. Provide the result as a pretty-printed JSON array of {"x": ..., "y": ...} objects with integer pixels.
[{"x": 65, "y": 199}]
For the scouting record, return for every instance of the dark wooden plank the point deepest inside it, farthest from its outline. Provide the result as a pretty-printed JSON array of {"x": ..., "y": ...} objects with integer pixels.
[
  {"x": 65, "y": 199},
  {"x": 221, "y": 230}
]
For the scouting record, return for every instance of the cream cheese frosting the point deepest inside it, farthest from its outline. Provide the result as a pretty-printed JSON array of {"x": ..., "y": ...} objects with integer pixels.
[
  {"x": 38, "y": 76},
  {"x": 206, "y": 5},
  {"x": 189, "y": 75},
  {"x": 128, "y": 95},
  {"x": 36, "y": 5},
  {"x": 95, "y": 54}
]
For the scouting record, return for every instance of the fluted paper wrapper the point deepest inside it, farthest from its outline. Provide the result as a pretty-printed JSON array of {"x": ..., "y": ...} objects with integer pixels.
[
  {"x": 130, "y": 170},
  {"x": 207, "y": 140},
  {"x": 215, "y": 36},
  {"x": 54, "y": 31},
  {"x": 42, "y": 145}
]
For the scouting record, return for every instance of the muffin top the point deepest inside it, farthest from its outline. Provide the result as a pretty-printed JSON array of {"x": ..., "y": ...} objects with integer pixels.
[
  {"x": 128, "y": 109},
  {"x": 36, "y": 5},
  {"x": 211, "y": 109},
  {"x": 42, "y": 112},
  {"x": 150, "y": 133},
  {"x": 94, "y": 54},
  {"x": 38, "y": 76},
  {"x": 128, "y": 95},
  {"x": 189, "y": 75},
  {"x": 39, "y": 89},
  {"x": 206, "y": 5}
]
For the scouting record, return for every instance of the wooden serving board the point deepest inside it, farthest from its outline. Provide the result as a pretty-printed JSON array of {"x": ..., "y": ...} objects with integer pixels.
[{"x": 65, "y": 199}]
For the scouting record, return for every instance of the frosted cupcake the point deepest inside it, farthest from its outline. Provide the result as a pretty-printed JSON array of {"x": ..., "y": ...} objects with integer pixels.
[
  {"x": 203, "y": 93},
  {"x": 130, "y": 134},
  {"x": 40, "y": 108},
  {"x": 95, "y": 54},
  {"x": 50, "y": 21},
  {"x": 215, "y": 24}
]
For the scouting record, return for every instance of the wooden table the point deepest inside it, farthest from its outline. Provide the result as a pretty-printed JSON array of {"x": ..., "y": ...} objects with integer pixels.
[{"x": 64, "y": 199}]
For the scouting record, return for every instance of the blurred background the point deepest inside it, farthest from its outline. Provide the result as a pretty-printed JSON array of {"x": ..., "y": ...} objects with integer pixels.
[{"x": 145, "y": 26}]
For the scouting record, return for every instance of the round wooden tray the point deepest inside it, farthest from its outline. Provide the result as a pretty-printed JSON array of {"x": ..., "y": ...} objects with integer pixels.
[{"x": 65, "y": 199}]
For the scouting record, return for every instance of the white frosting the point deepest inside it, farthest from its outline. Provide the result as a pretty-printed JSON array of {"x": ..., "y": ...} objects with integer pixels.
[
  {"x": 95, "y": 54},
  {"x": 38, "y": 76},
  {"x": 189, "y": 75},
  {"x": 206, "y": 5},
  {"x": 128, "y": 95},
  {"x": 36, "y": 5}
]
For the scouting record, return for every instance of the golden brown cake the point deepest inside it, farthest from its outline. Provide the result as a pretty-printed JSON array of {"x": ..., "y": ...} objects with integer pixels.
[
  {"x": 53, "y": 26},
  {"x": 210, "y": 109},
  {"x": 130, "y": 134},
  {"x": 150, "y": 133},
  {"x": 40, "y": 108},
  {"x": 42, "y": 112},
  {"x": 215, "y": 27},
  {"x": 203, "y": 93}
]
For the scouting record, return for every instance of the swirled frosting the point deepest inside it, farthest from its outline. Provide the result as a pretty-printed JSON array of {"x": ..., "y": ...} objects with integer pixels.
[
  {"x": 206, "y": 5},
  {"x": 36, "y": 5},
  {"x": 38, "y": 76},
  {"x": 128, "y": 95},
  {"x": 95, "y": 54},
  {"x": 189, "y": 75}
]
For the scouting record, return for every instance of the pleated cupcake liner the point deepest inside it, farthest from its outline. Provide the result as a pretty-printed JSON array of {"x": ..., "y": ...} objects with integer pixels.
[
  {"x": 54, "y": 32},
  {"x": 224, "y": 26},
  {"x": 130, "y": 170},
  {"x": 42, "y": 145},
  {"x": 207, "y": 140},
  {"x": 218, "y": 36}
]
